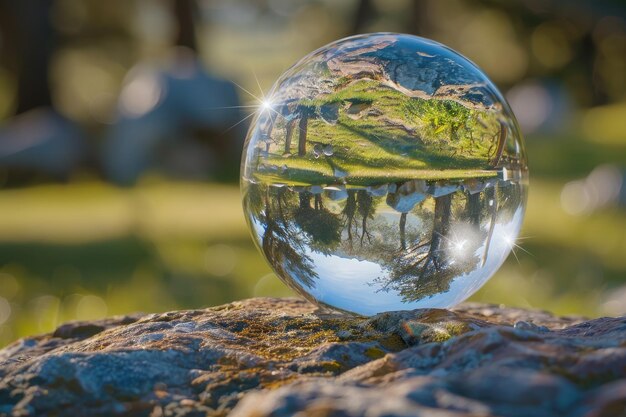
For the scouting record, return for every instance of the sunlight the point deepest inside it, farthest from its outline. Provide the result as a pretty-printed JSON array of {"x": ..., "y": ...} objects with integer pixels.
[
  {"x": 509, "y": 241},
  {"x": 511, "y": 244},
  {"x": 261, "y": 103},
  {"x": 459, "y": 245},
  {"x": 266, "y": 104}
]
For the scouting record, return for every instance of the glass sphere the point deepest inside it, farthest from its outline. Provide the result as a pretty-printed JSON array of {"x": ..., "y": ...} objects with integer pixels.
[{"x": 384, "y": 172}]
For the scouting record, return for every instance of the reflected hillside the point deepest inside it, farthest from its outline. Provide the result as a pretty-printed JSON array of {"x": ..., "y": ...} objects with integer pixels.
[{"x": 378, "y": 109}]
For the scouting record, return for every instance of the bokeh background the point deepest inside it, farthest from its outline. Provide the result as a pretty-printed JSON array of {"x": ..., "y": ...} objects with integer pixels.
[{"x": 121, "y": 125}]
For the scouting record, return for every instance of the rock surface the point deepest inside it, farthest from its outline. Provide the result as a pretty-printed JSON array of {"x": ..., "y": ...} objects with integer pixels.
[{"x": 282, "y": 357}]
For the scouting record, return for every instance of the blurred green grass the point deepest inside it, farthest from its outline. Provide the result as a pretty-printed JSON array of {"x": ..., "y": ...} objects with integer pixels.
[
  {"x": 87, "y": 249},
  {"x": 156, "y": 247}
]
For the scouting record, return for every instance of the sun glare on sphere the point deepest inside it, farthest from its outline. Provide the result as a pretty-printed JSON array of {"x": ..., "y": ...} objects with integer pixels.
[{"x": 266, "y": 105}]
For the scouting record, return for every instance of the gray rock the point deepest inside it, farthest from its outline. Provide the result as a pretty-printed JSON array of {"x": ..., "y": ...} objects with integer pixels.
[
  {"x": 282, "y": 357},
  {"x": 408, "y": 195}
]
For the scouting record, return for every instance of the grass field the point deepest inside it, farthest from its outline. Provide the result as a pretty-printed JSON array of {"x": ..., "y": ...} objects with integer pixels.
[{"x": 88, "y": 249}]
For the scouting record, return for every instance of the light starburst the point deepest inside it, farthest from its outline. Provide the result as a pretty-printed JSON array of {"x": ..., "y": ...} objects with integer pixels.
[
  {"x": 511, "y": 242},
  {"x": 257, "y": 103}
]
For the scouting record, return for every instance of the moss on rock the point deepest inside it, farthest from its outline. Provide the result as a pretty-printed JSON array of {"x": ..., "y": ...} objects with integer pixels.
[{"x": 203, "y": 362}]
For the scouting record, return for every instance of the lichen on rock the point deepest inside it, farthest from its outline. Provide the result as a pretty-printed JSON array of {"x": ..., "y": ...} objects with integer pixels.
[{"x": 279, "y": 357}]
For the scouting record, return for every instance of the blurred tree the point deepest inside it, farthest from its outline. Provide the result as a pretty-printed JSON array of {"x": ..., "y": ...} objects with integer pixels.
[
  {"x": 362, "y": 16},
  {"x": 29, "y": 40},
  {"x": 562, "y": 40},
  {"x": 185, "y": 12},
  {"x": 321, "y": 226},
  {"x": 176, "y": 117},
  {"x": 38, "y": 139}
]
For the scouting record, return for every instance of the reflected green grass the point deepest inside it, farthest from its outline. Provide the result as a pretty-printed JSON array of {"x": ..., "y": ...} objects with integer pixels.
[
  {"x": 304, "y": 172},
  {"x": 391, "y": 136}
]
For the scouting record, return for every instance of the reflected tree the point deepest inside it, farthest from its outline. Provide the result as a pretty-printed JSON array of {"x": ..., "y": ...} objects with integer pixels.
[
  {"x": 427, "y": 267},
  {"x": 349, "y": 213},
  {"x": 473, "y": 208},
  {"x": 267, "y": 123},
  {"x": 292, "y": 116},
  {"x": 403, "y": 231},
  {"x": 510, "y": 200},
  {"x": 289, "y": 127},
  {"x": 305, "y": 112},
  {"x": 282, "y": 241},
  {"x": 359, "y": 203},
  {"x": 440, "y": 239},
  {"x": 492, "y": 202},
  {"x": 500, "y": 145},
  {"x": 322, "y": 227},
  {"x": 367, "y": 208}
]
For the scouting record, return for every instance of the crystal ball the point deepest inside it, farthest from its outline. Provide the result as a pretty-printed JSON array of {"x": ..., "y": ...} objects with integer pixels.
[{"x": 384, "y": 172}]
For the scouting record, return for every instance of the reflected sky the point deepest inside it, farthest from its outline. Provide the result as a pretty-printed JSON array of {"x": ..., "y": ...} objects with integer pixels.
[
  {"x": 364, "y": 254},
  {"x": 352, "y": 281}
]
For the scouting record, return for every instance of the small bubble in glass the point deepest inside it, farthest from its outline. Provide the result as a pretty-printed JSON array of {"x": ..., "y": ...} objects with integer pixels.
[{"x": 384, "y": 172}]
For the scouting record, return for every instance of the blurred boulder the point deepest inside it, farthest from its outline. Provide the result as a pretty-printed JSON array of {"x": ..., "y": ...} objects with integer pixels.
[
  {"x": 163, "y": 111},
  {"x": 43, "y": 141},
  {"x": 542, "y": 106}
]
